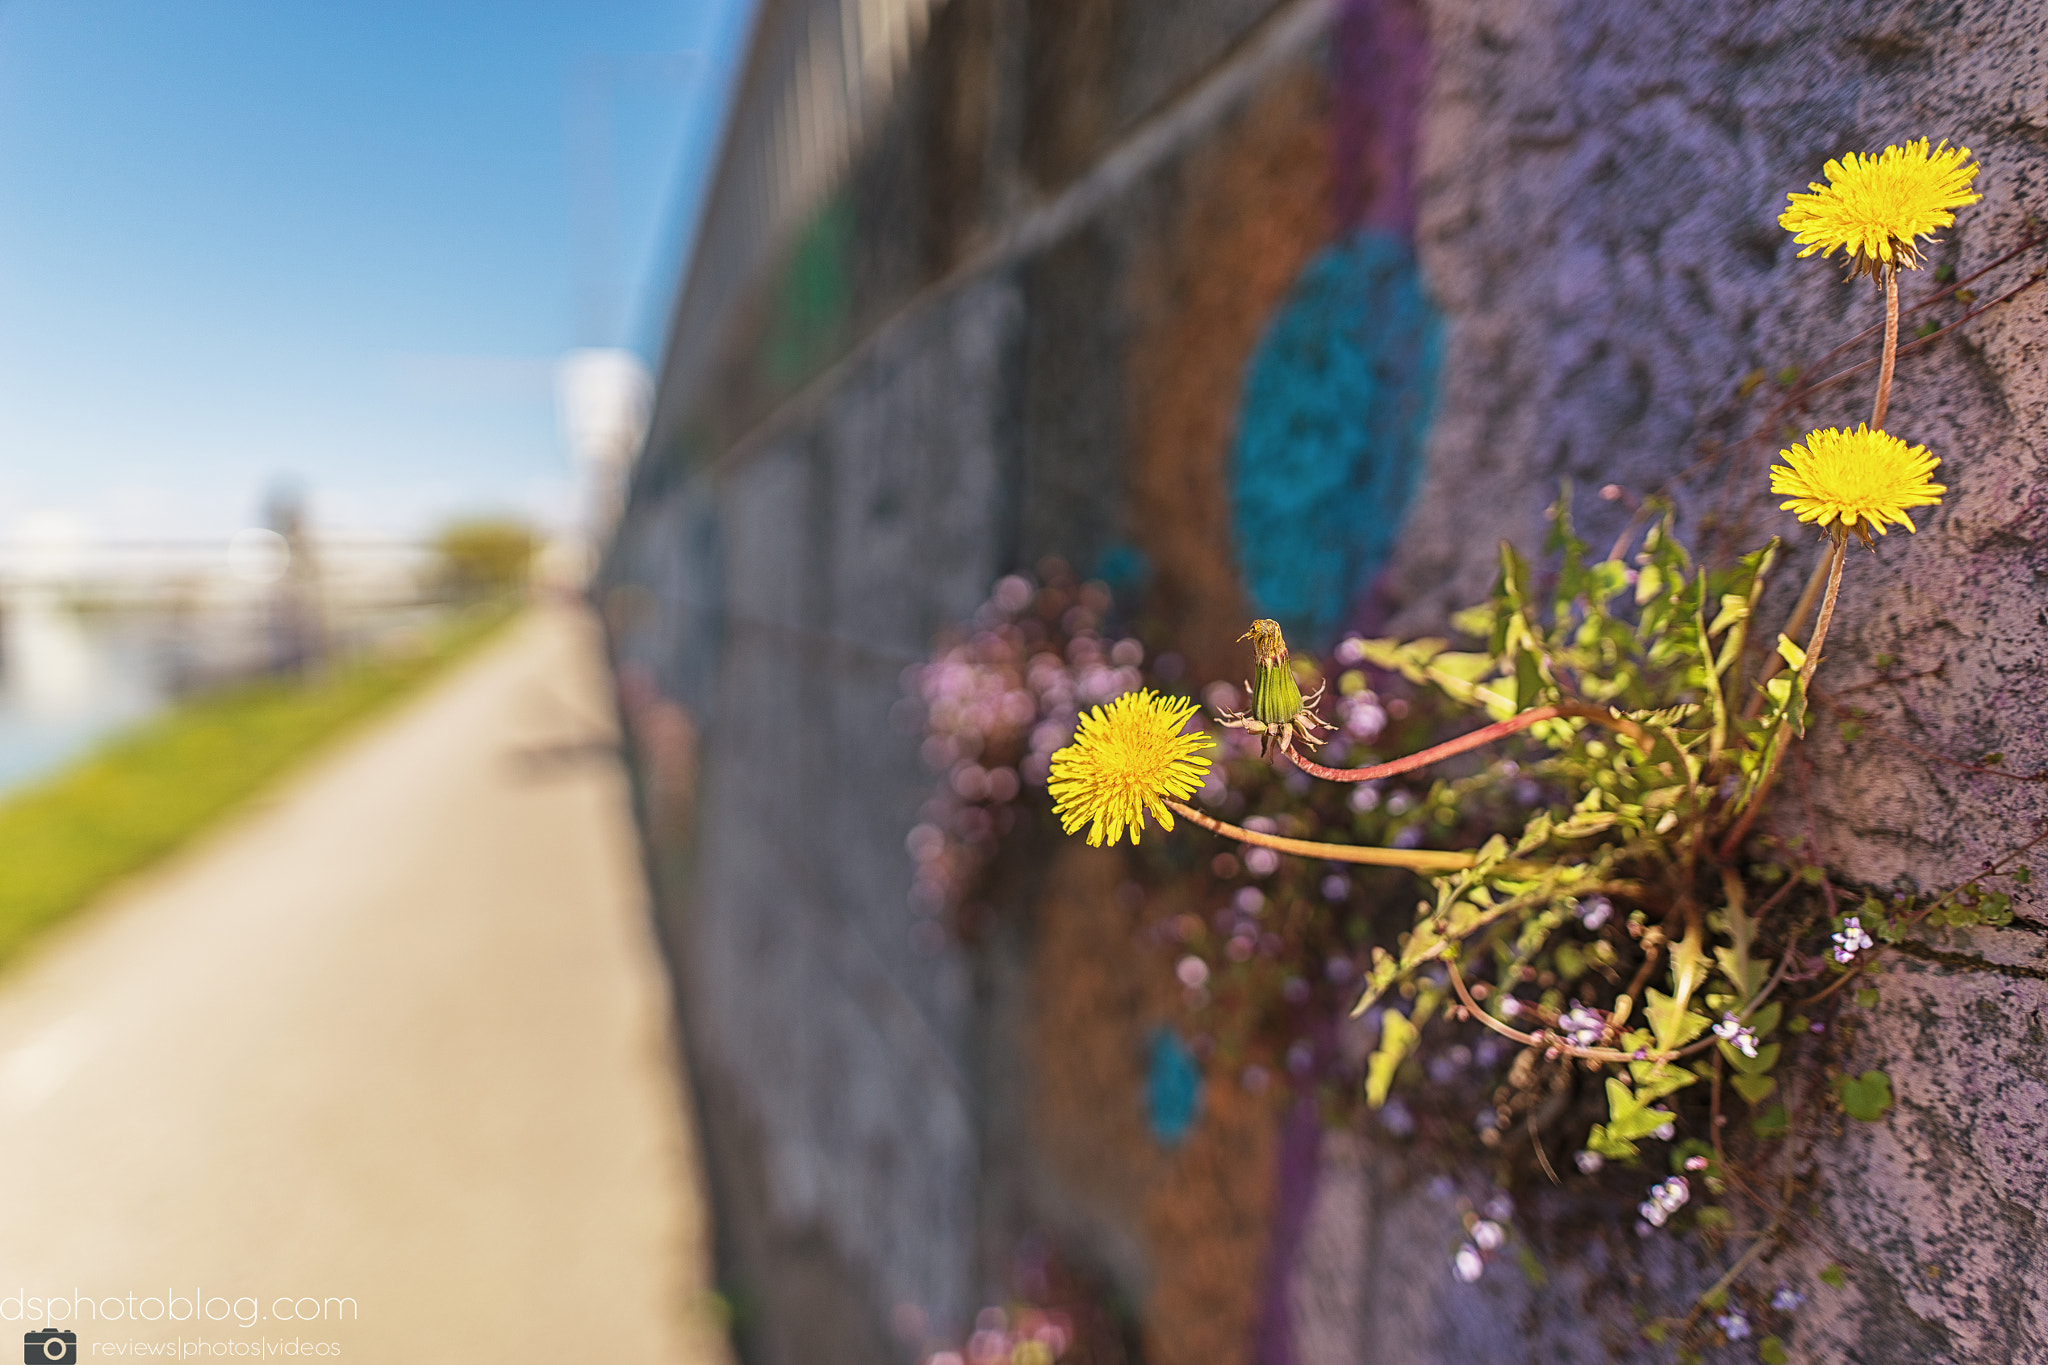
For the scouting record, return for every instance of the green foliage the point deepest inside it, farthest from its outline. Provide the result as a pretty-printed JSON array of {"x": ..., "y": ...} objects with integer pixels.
[
  {"x": 1865, "y": 1097},
  {"x": 1629, "y": 1118},
  {"x": 1654, "y": 749},
  {"x": 484, "y": 557},
  {"x": 1969, "y": 906},
  {"x": 67, "y": 838},
  {"x": 1654, "y": 646},
  {"x": 1754, "y": 1089},
  {"x": 1397, "y": 1039},
  {"x": 1656, "y": 752},
  {"x": 1771, "y": 1351}
]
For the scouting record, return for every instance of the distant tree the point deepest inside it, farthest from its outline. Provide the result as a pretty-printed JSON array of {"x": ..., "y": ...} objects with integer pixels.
[{"x": 483, "y": 557}]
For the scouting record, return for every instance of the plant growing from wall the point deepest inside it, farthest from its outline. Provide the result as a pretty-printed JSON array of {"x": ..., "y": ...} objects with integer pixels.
[{"x": 1619, "y": 902}]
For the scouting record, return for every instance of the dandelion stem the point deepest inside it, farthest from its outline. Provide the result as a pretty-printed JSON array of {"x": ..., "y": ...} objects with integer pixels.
[
  {"x": 1891, "y": 348},
  {"x": 1416, "y": 859},
  {"x": 1477, "y": 739},
  {"x": 1733, "y": 839},
  {"x": 1827, "y": 605},
  {"x": 1796, "y": 622}
]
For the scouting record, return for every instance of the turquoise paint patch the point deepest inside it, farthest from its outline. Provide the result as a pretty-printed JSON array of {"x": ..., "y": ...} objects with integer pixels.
[
  {"x": 1173, "y": 1088},
  {"x": 1330, "y": 436},
  {"x": 1126, "y": 571}
]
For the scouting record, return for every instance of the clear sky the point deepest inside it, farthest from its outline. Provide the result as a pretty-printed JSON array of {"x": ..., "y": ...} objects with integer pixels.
[{"x": 336, "y": 244}]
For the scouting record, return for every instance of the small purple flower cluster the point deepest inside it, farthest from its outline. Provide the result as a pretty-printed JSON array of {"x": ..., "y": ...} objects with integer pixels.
[
  {"x": 1485, "y": 1234},
  {"x": 1851, "y": 940},
  {"x": 1360, "y": 716},
  {"x": 1736, "y": 1034},
  {"x": 1666, "y": 1198},
  {"x": 1582, "y": 1027}
]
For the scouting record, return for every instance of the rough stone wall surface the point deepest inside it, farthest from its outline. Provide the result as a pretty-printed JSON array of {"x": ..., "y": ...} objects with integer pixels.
[
  {"x": 1594, "y": 205},
  {"x": 843, "y": 545},
  {"x": 1599, "y": 190}
]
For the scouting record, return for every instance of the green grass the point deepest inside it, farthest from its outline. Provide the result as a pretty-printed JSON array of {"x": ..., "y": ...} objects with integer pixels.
[{"x": 136, "y": 798}]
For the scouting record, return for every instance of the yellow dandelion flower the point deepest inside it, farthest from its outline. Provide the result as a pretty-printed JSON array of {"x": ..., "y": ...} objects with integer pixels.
[
  {"x": 1862, "y": 479},
  {"x": 1127, "y": 758},
  {"x": 1876, "y": 206}
]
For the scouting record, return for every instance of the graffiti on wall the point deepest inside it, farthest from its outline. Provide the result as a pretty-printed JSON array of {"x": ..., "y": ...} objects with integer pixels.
[
  {"x": 1337, "y": 396},
  {"x": 1330, "y": 438}
]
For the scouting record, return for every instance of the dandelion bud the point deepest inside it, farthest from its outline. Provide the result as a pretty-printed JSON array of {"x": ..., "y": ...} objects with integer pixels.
[
  {"x": 1276, "y": 696},
  {"x": 1278, "y": 712}
]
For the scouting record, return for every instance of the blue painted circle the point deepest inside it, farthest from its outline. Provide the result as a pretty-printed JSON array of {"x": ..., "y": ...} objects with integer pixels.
[{"x": 1330, "y": 436}]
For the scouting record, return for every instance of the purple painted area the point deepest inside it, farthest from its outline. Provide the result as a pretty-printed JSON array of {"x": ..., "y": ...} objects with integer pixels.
[
  {"x": 1380, "y": 65},
  {"x": 1301, "y": 1140},
  {"x": 1379, "y": 72}
]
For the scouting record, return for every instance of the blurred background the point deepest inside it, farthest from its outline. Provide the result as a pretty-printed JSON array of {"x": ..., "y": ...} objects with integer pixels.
[
  {"x": 343, "y": 279},
  {"x": 328, "y": 335},
  {"x": 545, "y": 548}
]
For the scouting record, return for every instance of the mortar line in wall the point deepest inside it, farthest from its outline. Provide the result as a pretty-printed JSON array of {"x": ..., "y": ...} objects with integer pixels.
[{"x": 1281, "y": 37}]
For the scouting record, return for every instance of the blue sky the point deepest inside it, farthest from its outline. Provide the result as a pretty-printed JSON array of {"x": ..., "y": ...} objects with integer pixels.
[{"x": 335, "y": 244}]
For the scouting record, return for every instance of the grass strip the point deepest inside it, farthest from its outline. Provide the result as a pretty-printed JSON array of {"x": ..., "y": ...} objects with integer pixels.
[{"x": 143, "y": 793}]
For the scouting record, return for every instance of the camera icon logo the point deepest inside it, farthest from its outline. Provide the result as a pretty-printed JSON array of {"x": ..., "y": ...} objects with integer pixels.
[{"x": 50, "y": 1347}]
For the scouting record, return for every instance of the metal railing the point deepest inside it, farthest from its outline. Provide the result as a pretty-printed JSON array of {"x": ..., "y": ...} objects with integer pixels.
[{"x": 818, "y": 75}]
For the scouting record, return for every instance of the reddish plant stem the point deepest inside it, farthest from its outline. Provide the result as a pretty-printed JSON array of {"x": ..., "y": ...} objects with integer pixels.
[
  {"x": 1990, "y": 869},
  {"x": 1548, "y": 1040},
  {"x": 1844, "y": 979},
  {"x": 1797, "y": 399},
  {"x": 1714, "y": 1114},
  {"x": 1891, "y": 348},
  {"x": 1836, "y": 558},
  {"x": 1477, "y": 739}
]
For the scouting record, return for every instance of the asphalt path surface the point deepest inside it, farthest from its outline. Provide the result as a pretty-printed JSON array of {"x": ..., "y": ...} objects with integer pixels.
[{"x": 384, "y": 1066}]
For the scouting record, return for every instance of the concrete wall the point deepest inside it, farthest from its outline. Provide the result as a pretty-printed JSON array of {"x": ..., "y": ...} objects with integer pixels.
[{"x": 1078, "y": 271}]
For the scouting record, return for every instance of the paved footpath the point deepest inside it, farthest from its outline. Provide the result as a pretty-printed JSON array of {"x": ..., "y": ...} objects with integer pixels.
[{"x": 398, "y": 1036}]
